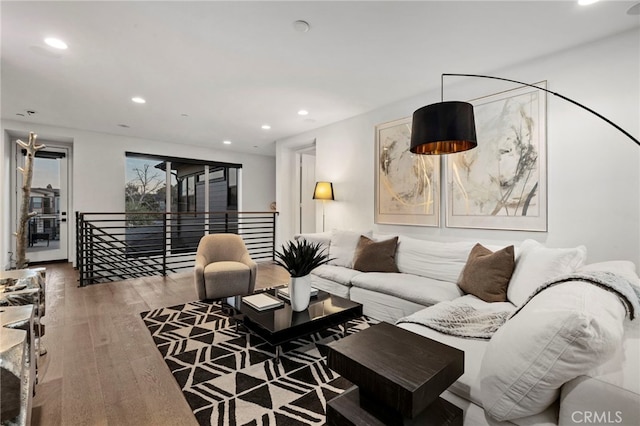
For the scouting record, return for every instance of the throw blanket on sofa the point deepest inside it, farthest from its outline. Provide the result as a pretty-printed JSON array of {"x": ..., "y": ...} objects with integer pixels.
[
  {"x": 459, "y": 318},
  {"x": 628, "y": 293}
]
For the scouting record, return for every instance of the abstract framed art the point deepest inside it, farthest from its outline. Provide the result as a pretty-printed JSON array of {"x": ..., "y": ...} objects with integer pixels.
[
  {"x": 502, "y": 184},
  {"x": 407, "y": 185}
]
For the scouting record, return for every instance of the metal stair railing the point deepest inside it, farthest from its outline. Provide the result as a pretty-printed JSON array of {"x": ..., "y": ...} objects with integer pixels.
[
  {"x": 110, "y": 250},
  {"x": 120, "y": 246}
]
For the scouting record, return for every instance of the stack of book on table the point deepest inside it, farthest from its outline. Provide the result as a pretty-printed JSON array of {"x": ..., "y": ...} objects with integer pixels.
[
  {"x": 284, "y": 292},
  {"x": 262, "y": 301}
]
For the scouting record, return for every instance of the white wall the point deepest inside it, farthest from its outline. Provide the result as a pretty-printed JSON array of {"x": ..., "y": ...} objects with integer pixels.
[
  {"x": 5, "y": 191},
  {"x": 593, "y": 169},
  {"x": 99, "y": 171}
]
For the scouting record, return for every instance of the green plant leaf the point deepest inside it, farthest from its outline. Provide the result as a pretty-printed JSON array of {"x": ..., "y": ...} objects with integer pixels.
[{"x": 300, "y": 257}]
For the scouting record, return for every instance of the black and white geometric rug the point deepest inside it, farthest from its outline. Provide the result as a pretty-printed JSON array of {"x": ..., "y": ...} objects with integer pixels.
[{"x": 229, "y": 377}]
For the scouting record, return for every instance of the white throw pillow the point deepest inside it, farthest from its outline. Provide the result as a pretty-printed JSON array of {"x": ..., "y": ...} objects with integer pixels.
[
  {"x": 323, "y": 238},
  {"x": 343, "y": 246},
  {"x": 432, "y": 259},
  {"x": 537, "y": 264},
  {"x": 565, "y": 331},
  {"x": 624, "y": 268}
]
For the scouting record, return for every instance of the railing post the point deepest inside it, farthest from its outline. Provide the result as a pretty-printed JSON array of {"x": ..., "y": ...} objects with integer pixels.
[
  {"x": 79, "y": 246},
  {"x": 164, "y": 245},
  {"x": 90, "y": 250},
  {"x": 273, "y": 237}
]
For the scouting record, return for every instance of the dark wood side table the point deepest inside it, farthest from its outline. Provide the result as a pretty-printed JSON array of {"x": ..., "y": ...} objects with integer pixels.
[{"x": 399, "y": 376}]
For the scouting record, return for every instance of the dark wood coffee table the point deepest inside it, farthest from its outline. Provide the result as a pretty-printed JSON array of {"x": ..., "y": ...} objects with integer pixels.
[
  {"x": 399, "y": 376},
  {"x": 281, "y": 325}
]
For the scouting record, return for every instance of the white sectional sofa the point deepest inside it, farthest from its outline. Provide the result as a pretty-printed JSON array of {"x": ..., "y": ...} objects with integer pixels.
[{"x": 569, "y": 356}]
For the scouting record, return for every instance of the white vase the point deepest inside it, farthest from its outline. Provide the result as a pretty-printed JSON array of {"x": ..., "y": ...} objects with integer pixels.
[{"x": 300, "y": 292}]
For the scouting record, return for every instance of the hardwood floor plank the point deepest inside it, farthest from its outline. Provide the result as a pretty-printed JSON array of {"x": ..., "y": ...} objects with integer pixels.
[
  {"x": 162, "y": 394},
  {"x": 50, "y": 365},
  {"x": 48, "y": 411},
  {"x": 102, "y": 366},
  {"x": 82, "y": 400},
  {"x": 122, "y": 394},
  {"x": 134, "y": 337}
]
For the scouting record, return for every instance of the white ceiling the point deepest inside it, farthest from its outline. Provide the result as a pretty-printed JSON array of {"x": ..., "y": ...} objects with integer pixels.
[{"x": 232, "y": 66}]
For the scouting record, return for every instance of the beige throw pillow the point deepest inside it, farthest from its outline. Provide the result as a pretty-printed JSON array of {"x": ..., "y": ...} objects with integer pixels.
[
  {"x": 372, "y": 256},
  {"x": 486, "y": 274}
]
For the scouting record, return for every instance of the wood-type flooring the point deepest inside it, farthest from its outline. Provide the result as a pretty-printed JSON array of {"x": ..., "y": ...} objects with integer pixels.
[{"x": 102, "y": 367}]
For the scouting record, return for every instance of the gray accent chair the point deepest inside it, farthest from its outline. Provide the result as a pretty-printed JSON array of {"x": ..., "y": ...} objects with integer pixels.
[{"x": 223, "y": 267}]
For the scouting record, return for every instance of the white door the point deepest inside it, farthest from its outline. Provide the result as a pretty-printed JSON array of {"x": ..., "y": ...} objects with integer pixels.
[{"x": 47, "y": 232}]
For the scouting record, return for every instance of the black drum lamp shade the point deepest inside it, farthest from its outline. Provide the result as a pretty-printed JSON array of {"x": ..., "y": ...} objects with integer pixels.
[{"x": 443, "y": 128}]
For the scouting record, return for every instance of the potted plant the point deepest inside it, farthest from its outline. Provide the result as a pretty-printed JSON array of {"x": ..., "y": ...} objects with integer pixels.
[{"x": 299, "y": 258}]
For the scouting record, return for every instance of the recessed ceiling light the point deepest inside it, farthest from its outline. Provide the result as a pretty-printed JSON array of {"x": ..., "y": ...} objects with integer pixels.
[
  {"x": 266, "y": 127},
  {"x": 226, "y": 142},
  {"x": 55, "y": 43},
  {"x": 303, "y": 112},
  {"x": 301, "y": 26},
  {"x": 586, "y": 2},
  {"x": 138, "y": 100}
]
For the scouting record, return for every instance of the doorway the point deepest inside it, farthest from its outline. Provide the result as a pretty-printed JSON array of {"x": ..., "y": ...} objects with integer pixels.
[
  {"x": 306, "y": 212},
  {"x": 48, "y": 230}
]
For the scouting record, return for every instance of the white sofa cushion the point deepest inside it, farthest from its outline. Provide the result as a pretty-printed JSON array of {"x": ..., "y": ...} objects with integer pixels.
[
  {"x": 563, "y": 332},
  {"x": 343, "y": 246},
  {"x": 422, "y": 290},
  {"x": 383, "y": 307},
  {"x": 537, "y": 264},
  {"x": 339, "y": 274},
  {"x": 331, "y": 286},
  {"x": 432, "y": 259}
]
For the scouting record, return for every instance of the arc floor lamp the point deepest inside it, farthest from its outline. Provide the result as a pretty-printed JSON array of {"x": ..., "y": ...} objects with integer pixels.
[{"x": 449, "y": 127}]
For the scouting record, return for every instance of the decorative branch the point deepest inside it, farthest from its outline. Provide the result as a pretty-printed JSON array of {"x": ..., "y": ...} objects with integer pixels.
[{"x": 25, "y": 215}]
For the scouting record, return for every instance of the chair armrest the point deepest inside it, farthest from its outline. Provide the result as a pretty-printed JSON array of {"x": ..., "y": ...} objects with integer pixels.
[
  {"x": 198, "y": 276},
  {"x": 253, "y": 266}
]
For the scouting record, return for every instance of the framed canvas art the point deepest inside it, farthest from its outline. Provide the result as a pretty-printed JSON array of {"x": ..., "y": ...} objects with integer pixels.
[
  {"x": 407, "y": 185},
  {"x": 502, "y": 183}
]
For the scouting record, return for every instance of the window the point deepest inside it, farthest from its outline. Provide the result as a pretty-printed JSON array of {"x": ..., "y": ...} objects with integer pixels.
[
  {"x": 146, "y": 186},
  {"x": 146, "y": 189}
]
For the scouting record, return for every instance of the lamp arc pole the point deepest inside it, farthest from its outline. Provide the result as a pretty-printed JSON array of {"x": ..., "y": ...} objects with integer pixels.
[{"x": 597, "y": 114}]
